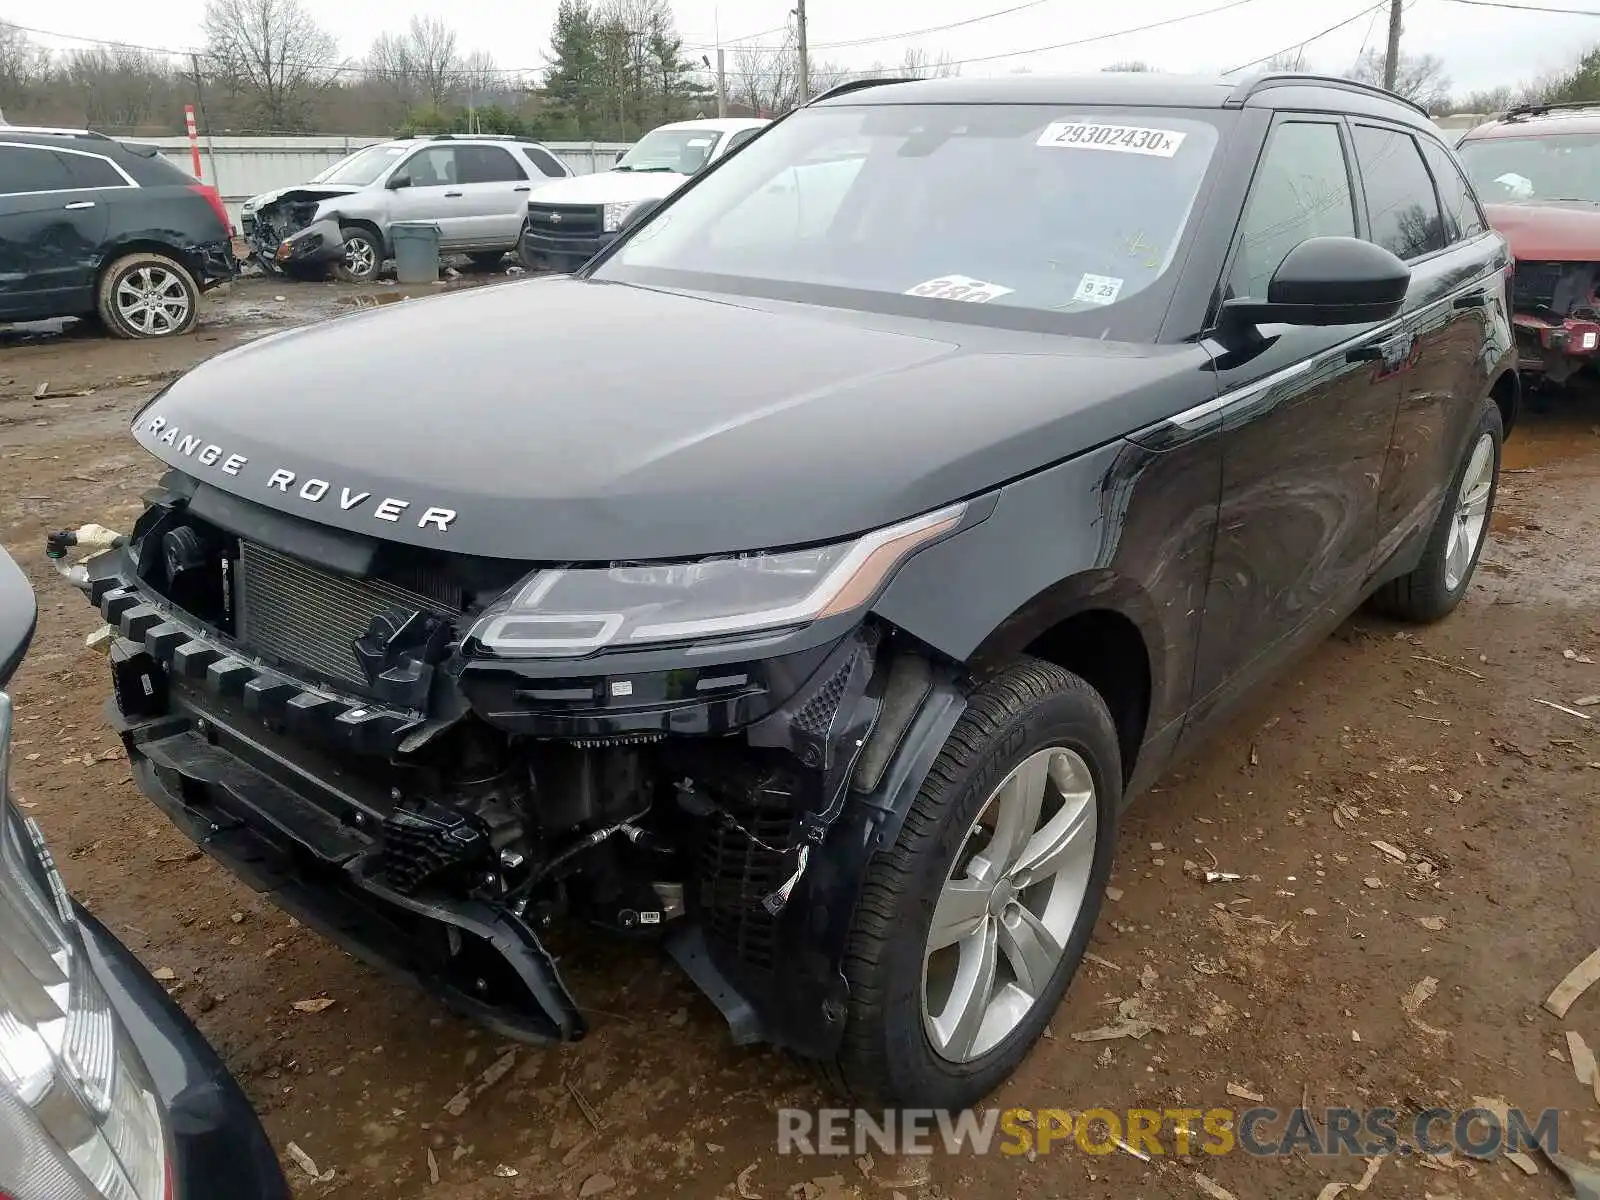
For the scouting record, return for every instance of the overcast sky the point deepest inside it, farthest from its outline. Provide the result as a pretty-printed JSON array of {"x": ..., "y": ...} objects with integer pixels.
[{"x": 1481, "y": 47}]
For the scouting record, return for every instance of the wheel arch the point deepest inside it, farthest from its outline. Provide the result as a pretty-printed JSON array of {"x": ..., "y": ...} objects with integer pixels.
[
  {"x": 370, "y": 226},
  {"x": 1101, "y": 627},
  {"x": 1506, "y": 392},
  {"x": 144, "y": 245}
]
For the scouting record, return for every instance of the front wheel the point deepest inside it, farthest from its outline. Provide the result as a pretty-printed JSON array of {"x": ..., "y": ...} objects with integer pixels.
[
  {"x": 147, "y": 295},
  {"x": 1432, "y": 590},
  {"x": 971, "y": 926},
  {"x": 363, "y": 254}
]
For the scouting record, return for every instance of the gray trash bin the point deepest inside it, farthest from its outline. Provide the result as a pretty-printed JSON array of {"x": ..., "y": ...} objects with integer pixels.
[{"x": 416, "y": 251}]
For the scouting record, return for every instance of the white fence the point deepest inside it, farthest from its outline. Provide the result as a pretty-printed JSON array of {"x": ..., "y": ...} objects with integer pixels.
[{"x": 241, "y": 167}]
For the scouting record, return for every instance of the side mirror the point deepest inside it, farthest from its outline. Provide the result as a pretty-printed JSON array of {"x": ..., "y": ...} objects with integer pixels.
[
  {"x": 18, "y": 612},
  {"x": 621, "y": 154},
  {"x": 1328, "y": 281},
  {"x": 636, "y": 214},
  {"x": 396, "y": 182}
]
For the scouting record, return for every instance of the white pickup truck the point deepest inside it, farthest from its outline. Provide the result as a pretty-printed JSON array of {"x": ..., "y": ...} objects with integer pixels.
[{"x": 571, "y": 219}]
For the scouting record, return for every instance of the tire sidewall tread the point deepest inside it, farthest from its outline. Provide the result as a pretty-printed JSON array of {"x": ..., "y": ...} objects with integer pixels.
[{"x": 885, "y": 1053}]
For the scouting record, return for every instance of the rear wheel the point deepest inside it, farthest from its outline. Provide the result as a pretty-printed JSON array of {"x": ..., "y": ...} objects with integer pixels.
[
  {"x": 971, "y": 926},
  {"x": 363, "y": 254},
  {"x": 1433, "y": 589},
  {"x": 147, "y": 295},
  {"x": 486, "y": 260}
]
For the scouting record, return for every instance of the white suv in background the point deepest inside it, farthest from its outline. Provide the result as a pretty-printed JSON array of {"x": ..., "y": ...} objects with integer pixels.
[
  {"x": 475, "y": 189},
  {"x": 569, "y": 222}
]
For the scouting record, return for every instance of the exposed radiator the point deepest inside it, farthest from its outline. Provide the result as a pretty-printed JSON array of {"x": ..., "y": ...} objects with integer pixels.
[{"x": 307, "y": 616}]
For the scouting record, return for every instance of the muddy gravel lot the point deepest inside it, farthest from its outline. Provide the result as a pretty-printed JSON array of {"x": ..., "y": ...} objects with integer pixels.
[{"x": 1291, "y": 982}]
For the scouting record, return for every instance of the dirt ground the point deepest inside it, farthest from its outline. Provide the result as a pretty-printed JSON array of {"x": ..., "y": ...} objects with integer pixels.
[{"x": 1287, "y": 982}]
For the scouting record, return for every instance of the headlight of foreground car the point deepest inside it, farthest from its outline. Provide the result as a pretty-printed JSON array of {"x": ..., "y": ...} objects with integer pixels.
[
  {"x": 616, "y": 213},
  {"x": 79, "y": 1119},
  {"x": 556, "y": 612}
]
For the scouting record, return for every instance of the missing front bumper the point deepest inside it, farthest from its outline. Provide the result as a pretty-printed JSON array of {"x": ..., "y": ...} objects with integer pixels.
[{"x": 483, "y": 960}]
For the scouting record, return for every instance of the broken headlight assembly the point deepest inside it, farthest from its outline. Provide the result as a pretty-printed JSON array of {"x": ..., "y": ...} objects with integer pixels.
[
  {"x": 79, "y": 1119},
  {"x": 562, "y": 612}
]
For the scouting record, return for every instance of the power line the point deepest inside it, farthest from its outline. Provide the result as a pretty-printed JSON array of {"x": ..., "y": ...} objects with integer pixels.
[
  {"x": 1303, "y": 42},
  {"x": 916, "y": 33},
  {"x": 1543, "y": 8}
]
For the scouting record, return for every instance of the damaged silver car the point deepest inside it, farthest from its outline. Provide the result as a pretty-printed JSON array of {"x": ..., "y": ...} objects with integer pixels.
[{"x": 475, "y": 189}]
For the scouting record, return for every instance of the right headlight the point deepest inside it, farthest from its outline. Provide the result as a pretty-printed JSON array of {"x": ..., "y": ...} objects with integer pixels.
[
  {"x": 616, "y": 213},
  {"x": 562, "y": 612},
  {"x": 79, "y": 1119}
]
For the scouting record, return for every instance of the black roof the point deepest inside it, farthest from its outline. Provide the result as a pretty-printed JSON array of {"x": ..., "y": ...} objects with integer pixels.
[{"x": 1298, "y": 90}]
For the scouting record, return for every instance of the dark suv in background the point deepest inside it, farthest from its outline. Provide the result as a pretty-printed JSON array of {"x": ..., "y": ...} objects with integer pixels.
[{"x": 89, "y": 225}]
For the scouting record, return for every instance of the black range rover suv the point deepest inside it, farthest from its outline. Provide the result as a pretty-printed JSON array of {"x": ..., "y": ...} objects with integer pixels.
[{"x": 1030, "y": 425}]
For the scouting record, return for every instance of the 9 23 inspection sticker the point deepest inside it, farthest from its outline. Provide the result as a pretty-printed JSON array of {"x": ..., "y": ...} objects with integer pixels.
[
  {"x": 959, "y": 287},
  {"x": 1120, "y": 139},
  {"x": 1098, "y": 289}
]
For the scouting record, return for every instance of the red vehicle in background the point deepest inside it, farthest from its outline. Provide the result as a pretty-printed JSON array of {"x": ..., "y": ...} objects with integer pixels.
[{"x": 1537, "y": 170}]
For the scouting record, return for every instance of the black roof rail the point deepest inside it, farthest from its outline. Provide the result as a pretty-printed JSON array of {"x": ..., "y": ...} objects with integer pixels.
[
  {"x": 856, "y": 85},
  {"x": 1258, "y": 83},
  {"x": 1538, "y": 108}
]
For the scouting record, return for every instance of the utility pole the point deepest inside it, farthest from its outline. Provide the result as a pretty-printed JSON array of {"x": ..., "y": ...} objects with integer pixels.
[
  {"x": 200, "y": 103},
  {"x": 805, "y": 65},
  {"x": 722, "y": 67},
  {"x": 1391, "y": 60}
]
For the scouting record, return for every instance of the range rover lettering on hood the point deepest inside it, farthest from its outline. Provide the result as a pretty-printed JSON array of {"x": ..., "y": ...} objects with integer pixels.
[{"x": 311, "y": 490}]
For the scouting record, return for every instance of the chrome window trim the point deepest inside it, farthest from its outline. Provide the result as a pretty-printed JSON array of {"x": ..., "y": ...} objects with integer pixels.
[
  {"x": 128, "y": 180},
  {"x": 1201, "y": 413}
]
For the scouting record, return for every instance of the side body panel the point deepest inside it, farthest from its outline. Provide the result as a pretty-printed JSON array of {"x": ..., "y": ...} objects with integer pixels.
[{"x": 49, "y": 246}]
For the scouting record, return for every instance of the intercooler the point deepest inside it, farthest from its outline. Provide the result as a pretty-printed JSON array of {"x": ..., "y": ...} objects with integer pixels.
[{"x": 309, "y": 617}]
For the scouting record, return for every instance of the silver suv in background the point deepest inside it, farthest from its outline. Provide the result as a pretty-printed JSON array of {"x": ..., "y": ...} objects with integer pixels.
[{"x": 475, "y": 189}]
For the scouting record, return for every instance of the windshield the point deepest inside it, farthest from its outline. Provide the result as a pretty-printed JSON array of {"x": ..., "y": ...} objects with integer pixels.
[
  {"x": 1559, "y": 167},
  {"x": 682, "y": 150},
  {"x": 362, "y": 167},
  {"x": 1053, "y": 208}
]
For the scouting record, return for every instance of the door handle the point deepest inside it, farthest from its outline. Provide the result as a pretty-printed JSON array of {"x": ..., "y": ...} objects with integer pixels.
[
  {"x": 523, "y": 188},
  {"x": 1392, "y": 352},
  {"x": 1470, "y": 300},
  {"x": 453, "y": 195},
  {"x": 76, "y": 205}
]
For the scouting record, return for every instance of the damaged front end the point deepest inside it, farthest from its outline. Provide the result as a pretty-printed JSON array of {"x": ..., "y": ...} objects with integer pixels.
[
  {"x": 1556, "y": 315},
  {"x": 291, "y": 234},
  {"x": 319, "y": 711}
]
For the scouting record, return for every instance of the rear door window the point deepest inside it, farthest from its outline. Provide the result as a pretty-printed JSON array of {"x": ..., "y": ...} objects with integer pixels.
[
  {"x": 1301, "y": 190},
  {"x": 1462, "y": 217},
  {"x": 92, "y": 171},
  {"x": 487, "y": 164},
  {"x": 544, "y": 162},
  {"x": 25, "y": 169},
  {"x": 1401, "y": 206}
]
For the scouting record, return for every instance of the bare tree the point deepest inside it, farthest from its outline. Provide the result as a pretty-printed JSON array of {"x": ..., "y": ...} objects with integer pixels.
[
  {"x": 1129, "y": 66},
  {"x": 24, "y": 67},
  {"x": 917, "y": 63},
  {"x": 766, "y": 79},
  {"x": 1418, "y": 77},
  {"x": 121, "y": 86},
  {"x": 272, "y": 54},
  {"x": 431, "y": 51},
  {"x": 1286, "y": 60}
]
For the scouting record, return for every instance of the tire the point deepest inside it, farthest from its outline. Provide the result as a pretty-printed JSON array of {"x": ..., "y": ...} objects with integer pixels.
[
  {"x": 486, "y": 260},
  {"x": 1032, "y": 713},
  {"x": 1432, "y": 590},
  {"x": 363, "y": 254},
  {"x": 530, "y": 258},
  {"x": 147, "y": 295}
]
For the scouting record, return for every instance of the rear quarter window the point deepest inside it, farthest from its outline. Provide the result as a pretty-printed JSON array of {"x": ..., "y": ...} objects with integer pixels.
[{"x": 154, "y": 171}]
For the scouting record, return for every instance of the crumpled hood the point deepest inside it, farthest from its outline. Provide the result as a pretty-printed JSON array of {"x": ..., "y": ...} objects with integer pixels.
[
  {"x": 608, "y": 187},
  {"x": 1551, "y": 231},
  {"x": 301, "y": 191},
  {"x": 568, "y": 420}
]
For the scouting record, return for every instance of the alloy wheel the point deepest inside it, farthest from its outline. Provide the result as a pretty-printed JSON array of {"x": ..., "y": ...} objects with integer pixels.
[
  {"x": 1009, "y": 905},
  {"x": 360, "y": 258},
  {"x": 153, "y": 300},
  {"x": 1471, "y": 515}
]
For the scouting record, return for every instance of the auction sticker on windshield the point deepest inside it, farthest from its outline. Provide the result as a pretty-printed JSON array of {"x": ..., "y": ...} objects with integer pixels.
[
  {"x": 959, "y": 287},
  {"x": 1122, "y": 139}
]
